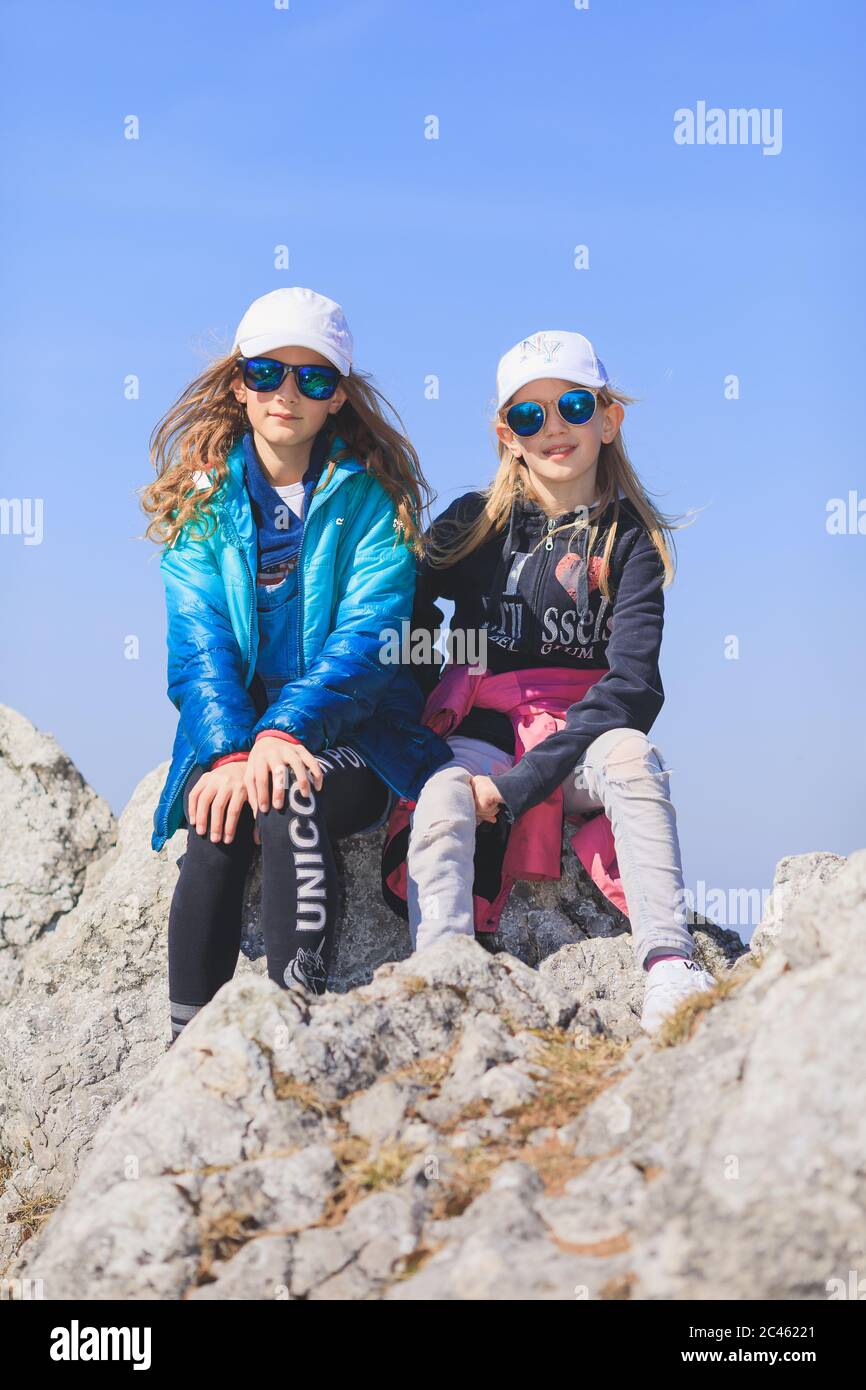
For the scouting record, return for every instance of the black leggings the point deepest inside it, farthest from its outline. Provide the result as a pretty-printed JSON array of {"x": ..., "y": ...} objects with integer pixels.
[{"x": 299, "y": 885}]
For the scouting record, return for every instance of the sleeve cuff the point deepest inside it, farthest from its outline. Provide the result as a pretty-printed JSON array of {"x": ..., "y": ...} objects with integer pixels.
[
  {"x": 519, "y": 789},
  {"x": 275, "y": 733},
  {"x": 230, "y": 758}
]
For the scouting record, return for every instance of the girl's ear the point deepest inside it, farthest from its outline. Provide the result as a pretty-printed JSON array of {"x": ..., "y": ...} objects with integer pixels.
[
  {"x": 506, "y": 437},
  {"x": 613, "y": 418},
  {"x": 338, "y": 399}
]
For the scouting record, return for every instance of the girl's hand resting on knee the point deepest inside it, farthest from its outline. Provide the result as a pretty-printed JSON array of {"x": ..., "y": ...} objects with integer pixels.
[
  {"x": 219, "y": 795},
  {"x": 271, "y": 757},
  {"x": 487, "y": 799}
]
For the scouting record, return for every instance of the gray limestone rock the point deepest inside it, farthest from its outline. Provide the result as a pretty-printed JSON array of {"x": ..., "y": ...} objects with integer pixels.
[
  {"x": 386, "y": 1140},
  {"x": 55, "y": 826}
]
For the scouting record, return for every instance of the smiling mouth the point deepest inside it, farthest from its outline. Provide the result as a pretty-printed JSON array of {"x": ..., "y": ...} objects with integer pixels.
[{"x": 558, "y": 449}]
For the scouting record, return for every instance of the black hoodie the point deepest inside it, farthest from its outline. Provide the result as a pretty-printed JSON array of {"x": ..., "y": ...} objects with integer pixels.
[{"x": 541, "y": 605}]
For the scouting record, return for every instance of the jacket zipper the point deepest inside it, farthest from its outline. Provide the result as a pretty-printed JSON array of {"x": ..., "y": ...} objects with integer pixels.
[
  {"x": 315, "y": 501},
  {"x": 248, "y": 583},
  {"x": 300, "y": 615},
  {"x": 540, "y": 577}
]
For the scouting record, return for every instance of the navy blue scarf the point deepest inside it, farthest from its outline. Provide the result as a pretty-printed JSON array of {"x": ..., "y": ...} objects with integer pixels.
[{"x": 278, "y": 544}]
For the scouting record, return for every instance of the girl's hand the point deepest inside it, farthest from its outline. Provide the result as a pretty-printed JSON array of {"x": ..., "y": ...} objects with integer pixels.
[
  {"x": 487, "y": 798},
  {"x": 221, "y": 795},
  {"x": 269, "y": 757}
]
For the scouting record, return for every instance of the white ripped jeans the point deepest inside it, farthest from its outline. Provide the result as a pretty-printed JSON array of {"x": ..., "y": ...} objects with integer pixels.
[{"x": 622, "y": 773}]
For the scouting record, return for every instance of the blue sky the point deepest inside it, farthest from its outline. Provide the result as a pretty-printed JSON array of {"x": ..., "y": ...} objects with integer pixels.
[{"x": 305, "y": 127}]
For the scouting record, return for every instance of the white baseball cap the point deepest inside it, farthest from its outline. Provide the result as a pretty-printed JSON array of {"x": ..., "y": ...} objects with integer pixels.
[
  {"x": 296, "y": 318},
  {"x": 569, "y": 356}
]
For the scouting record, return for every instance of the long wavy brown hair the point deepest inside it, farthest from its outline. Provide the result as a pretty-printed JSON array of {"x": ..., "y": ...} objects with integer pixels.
[
  {"x": 446, "y": 544},
  {"x": 205, "y": 422}
]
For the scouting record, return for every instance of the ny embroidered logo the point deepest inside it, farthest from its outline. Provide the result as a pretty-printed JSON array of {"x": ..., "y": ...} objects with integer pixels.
[{"x": 540, "y": 346}]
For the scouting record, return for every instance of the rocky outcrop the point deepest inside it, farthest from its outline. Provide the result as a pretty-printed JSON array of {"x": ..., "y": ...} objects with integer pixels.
[
  {"x": 88, "y": 1017},
  {"x": 54, "y": 827},
  {"x": 463, "y": 1127},
  {"x": 466, "y": 1123},
  {"x": 794, "y": 874}
]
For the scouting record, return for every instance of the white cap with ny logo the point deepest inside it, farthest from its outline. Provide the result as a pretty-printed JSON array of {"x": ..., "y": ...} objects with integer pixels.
[{"x": 563, "y": 355}]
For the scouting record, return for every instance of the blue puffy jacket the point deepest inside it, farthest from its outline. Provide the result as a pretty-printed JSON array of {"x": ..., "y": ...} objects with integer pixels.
[{"x": 356, "y": 577}]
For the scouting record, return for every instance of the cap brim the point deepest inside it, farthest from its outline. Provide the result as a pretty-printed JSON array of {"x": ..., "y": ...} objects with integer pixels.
[
  {"x": 266, "y": 342},
  {"x": 533, "y": 374}
]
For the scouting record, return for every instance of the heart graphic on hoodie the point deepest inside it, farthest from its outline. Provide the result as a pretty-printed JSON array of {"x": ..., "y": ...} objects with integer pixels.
[{"x": 568, "y": 571}]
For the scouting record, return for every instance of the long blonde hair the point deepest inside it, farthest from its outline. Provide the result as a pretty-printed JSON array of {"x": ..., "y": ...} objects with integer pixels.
[
  {"x": 445, "y": 546},
  {"x": 206, "y": 420}
]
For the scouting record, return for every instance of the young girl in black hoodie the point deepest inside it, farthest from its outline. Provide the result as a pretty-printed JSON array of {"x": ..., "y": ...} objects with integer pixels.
[{"x": 560, "y": 565}]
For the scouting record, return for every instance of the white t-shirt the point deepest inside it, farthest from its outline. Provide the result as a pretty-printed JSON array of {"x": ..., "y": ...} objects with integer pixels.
[{"x": 293, "y": 496}]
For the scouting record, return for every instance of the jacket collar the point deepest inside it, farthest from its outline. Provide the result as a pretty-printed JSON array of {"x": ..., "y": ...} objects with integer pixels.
[{"x": 233, "y": 497}]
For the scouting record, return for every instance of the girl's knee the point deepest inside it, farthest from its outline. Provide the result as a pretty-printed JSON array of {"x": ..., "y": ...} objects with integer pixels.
[
  {"x": 445, "y": 802},
  {"x": 625, "y": 754},
  {"x": 217, "y": 854},
  {"x": 442, "y": 786},
  {"x": 297, "y": 817}
]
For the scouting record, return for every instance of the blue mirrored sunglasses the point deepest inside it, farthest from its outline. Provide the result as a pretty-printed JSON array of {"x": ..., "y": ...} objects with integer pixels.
[
  {"x": 267, "y": 373},
  {"x": 575, "y": 407}
]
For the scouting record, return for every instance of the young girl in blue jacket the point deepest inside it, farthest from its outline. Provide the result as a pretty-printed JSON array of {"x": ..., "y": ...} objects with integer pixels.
[
  {"x": 561, "y": 564},
  {"x": 288, "y": 508}
]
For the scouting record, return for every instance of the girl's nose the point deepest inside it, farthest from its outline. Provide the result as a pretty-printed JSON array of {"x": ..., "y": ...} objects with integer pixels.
[
  {"x": 554, "y": 434},
  {"x": 287, "y": 391}
]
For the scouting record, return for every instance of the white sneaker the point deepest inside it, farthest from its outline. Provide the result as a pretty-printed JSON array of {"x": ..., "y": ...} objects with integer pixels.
[{"x": 669, "y": 982}]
